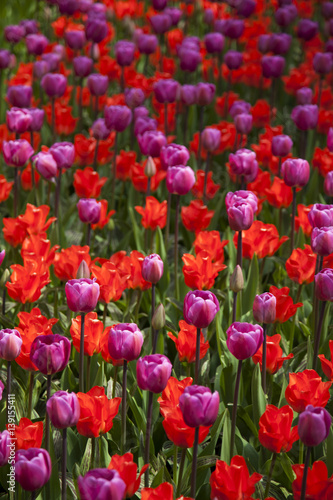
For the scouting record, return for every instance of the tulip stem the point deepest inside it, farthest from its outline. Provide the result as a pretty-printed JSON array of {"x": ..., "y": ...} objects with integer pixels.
[
  {"x": 64, "y": 464},
  {"x": 81, "y": 367},
  {"x": 292, "y": 236},
  {"x": 201, "y": 126},
  {"x": 234, "y": 409},
  {"x": 240, "y": 249},
  {"x": 280, "y": 165},
  {"x": 176, "y": 246},
  {"x": 114, "y": 172},
  {"x": 153, "y": 331},
  {"x": 47, "y": 418},
  {"x": 9, "y": 386},
  {"x": 148, "y": 430},
  {"x": 80, "y": 104},
  {"x": 305, "y": 472},
  {"x": 114, "y": 385},
  {"x": 93, "y": 448},
  {"x": 180, "y": 472},
  {"x": 96, "y": 108},
  {"x": 33, "y": 495},
  {"x": 318, "y": 335},
  {"x": 194, "y": 462},
  {"x": 197, "y": 358},
  {"x": 123, "y": 410},
  {"x": 4, "y": 294},
  {"x": 270, "y": 474},
  {"x": 88, "y": 234},
  {"x": 88, "y": 373},
  {"x": 16, "y": 185},
  {"x": 264, "y": 357},
  {"x": 166, "y": 119},
  {"x": 185, "y": 124},
  {"x": 53, "y": 120},
  {"x": 96, "y": 155},
  {"x": 234, "y": 307},
  {"x": 320, "y": 88},
  {"x": 167, "y": 229},
  {"x": 206, "y": 178},
  {"x": 31, "y": 387},
  {"x": 57, "y": 197}
]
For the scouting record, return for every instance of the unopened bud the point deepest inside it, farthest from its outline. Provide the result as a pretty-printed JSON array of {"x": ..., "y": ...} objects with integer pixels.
[
  {"x": 83, "y": 271},
  {"x": 150, "y": 168},
  {"x": 158, "y": 320},
  {"x": 237, "y": 280},
  {"x": 5, "y": 277}
]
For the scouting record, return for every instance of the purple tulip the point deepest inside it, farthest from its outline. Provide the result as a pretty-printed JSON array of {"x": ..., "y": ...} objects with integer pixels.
[
  {"x": 160, "y": 4},
  {"x": 214, "y": 43},
  {"x": 305, "y": 117},
  {"x": 99, "y": 130},
  {"x": 233, "y": 59},
  {"x": 82, "y": 294},
  {"x": 322, "y": 63},
  {"x": 200, "y": 308},
  {"x": 233, "y": 28},
  {"x": 40, "y": 69},
  {"x": 153, "y": 372},
  {"x": 208, "y": 16},
  {"x": 295, "y": 172},
  {"x": 199, "y": 406},
  {"x": 166, "y": 90},
  {"x": 152, "y": 268},
  {"x": 307, "y": 29},
  {"x": 17, "y": 153},
  {"x": 144, "y": 124},
  {"x": 134, "y": 97},
  {"x": 124, "y": 51},
  {"x": 89, "y": 210},
  {"x": 240, "y": 216},
  {"x": 328, "y": 184},
  {"x": 174, "y": 154},
  {"x": 82, "y": 66},
  {"x": 281, "y": 145},
  {"x": 63, "y": 153},
  {"x": 10, "y": 344},
  {"x": 322, "y": 240},
  {"x": 151, "y": 143},
  {"x": 189, "y": 59},
  {"x": 280, "y": 43},
  {"x": 117, "y": 117},
  {"x": 244, "y": 339},
  {"x": 174, "y": 14},
  {"x": 30, "y": 26},
  {"x": 67, "y": 7},
  {"x": 330, "y": 139},
  {"x": 324, "y": 285},
  {"x": 239, "y": 108},
  {"x": 46, "y": 165},
  {"x": 272, "y": 66},
  {"x": 19, "y": 96},
  {"x": 161, "y": 23},
  {"x": 53, "y": 60},
  {"x": 97, "y": 84},
  {"x": 2, "y": 256},
  {"x": 188, "y": 94},
  {"x": 5, "y": 447},
  {"x": 75, "y": 39},
  {"x": 211, "y": 139},
  {"x": 264, "y": 308},
  {"x": 18, "y": 120},
  {"x": 304, "y": 96},
  {"x": 246, "y": 8},
  {"x": 264, "y": 43},
  {"x": 96, "y": 29},
  {"x": 180, "y": 179},
  {"x": 321, "y": 215},
  {"x": 314, "y": 425},
  {"x": 243, "y": 123},
  {"x": 241, "y": 197},
  {"x": 32, "y": 468},
  {"x": 125, "y": 341},
  {"x": 54, "y": 84},
  {"x": 50, "y": 353},
  {"x": 244, "y": 164},
  {"x": 63, "y": 409},
  {"x": 4, "y": 58},
  {"x": 147, "y": 44},
  {"x": 101, "y": 484},
  {"x": 37, "y": 118},
  {"x": 14, "y": 33},
  {"x": 36, "y": 44},
  {"x": 327, "y": 10},
  {"x": 205, "y": 93}
]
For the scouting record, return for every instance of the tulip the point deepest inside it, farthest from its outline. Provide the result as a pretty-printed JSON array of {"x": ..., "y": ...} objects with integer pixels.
[
  {"x": 32, "y": 468},
  {"x": 200, "y": 308},
  {"x": 40, "y": 69},
  {"x": 242, "y": 196},
  {"x": 279, "y": 43},
  {"x": 208, "y": 16},
  {"x": 199, "y": 406},
  {"x": 37, "y": 118},
  {"x": 305, "y": 116},
  {"x": 211, "y": 139},
  {"x": 205, "y": 93},
  {"x": 147, "y": 44},
  {"x": 10, "y": 344},
  {"x": 96, "y": 29},
  {"x": 75, "y": 39},
  {"x": 46, "y": 165},
  {"x": 328, "y": 184},
  {"x": 307, "y": 29},
  {"x": 4, "y": 59},
  {"x": 19, "y": 96},
  {"x": 50, "y": 353},
  {"x": 153, "y": 372},
  {"x": 161, "y": 23},
  {"x": 151, "y": 143},
  {"x": 304, "y": 96},
  {"x": 233, "y": 28},
  {"x": 117, "y": 117},
  {"x": 63, "y": 409},
  {"x": 52, "y": 60},
  {"x": 5, "y": 447},
  {"x": 82, "y": 295},
  {"x": 244, "y": 339},
  {"x": 264, "y": 308},
  {"x": 296, "y": 172},
  {"x": 180, "y": 179},
  {"x": 54, "y": 84},
  {"x": 233, "y": 59},
  {"x": 14, "y": 33},
  {"x": 321, "y": 215},
  {"x": 322, "y": 240},
  {"x": 244, "y": 164},
  {"x": 100, "y": 132},
  {"x": 101, "y": 484},
  {"x": 36, "y": 44},
  {"x": 63, "y": 153},
  {"x": 160, "y": 4},
  {"x": 134, "y": 97},
  {"x": 82, "y": 66},
  {"x": 240, "y": 216},
  {"x": 144, "y": 124},
  {"x": 97, "y": 84},
  {"x": 322, "y": 63},
  {"x": 18, "y": 120},
  {"x": 214, "y": 43},
  {"x": 272, "y": 66},
  {"x": 239, "y": 108},
  {"x": 152, "y": 268},
  {"x": 125, "y": 341},
  {"x": 285, "y": 15},
  {"x": 89, "y": 210},
  {"x": 243, "y": 123},
  {"x": 174, "y": 14},
  {"x": 17, "y": 153},
  {"x": 173, "y": 155},
  {"x": 189, "y": 59},
  {"x": 281, "y": 146},
  {"x": 189, "y": 94},
  {"x": 166, "y": 90}
]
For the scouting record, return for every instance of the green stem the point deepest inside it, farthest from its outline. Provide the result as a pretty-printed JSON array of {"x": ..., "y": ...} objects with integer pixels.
[
  {"x": 206, "y": 178},
  {"x": 264, "y": 358},
  {"x": 305, "y": 472},
  {"x": 81, "y": 367},
  {"x": 114, "y": 172},
  {"x": 180, "y": 472},
  {"x": 9, "y": 387},
  {"x": 47, "y": 418},
  {"x": 292, "y": 235},
  {"x": 148, "y": 431},
  {"x": 167, "y": 228},
  {"x": 176, "y": 246},
  {"x": 270, "y": 474},
  {"x": 234, "y": 409},
  {"x": 31, "y": 387},
  {"x": 88, "y": 373},
  {"x": 123, "y": 410},
  {"x": 194, "y": 462},
  {"x": 318, "y": 335},
  {"x": 115, "y": 376},
  {"x": 197, "y": 358},
  {"x": 64, "y": 464}
]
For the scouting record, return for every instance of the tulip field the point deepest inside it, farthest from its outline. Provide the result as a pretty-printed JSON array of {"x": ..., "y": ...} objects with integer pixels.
[{"x": 166, "y": 250}]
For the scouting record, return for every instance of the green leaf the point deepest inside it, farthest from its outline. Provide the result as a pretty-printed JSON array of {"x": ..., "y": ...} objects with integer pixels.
[
  {"x": 73, "y": 449},
  {"x": 215, "y": 433},
  {"x": 286, "y": 466},
  {"x": 258, "y": 395},
  {"x": 225, "y": 450},
  {"x": 135, "y": 230},
  {"x": 329, "y": 456},
  {"x": 251, "y": 288}
]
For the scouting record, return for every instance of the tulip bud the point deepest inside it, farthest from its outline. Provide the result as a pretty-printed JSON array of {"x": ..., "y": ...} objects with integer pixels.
[
  {"x": 89, "y": 210},
  {"x": 199, "y": 406},
  {"x": 83, "y": 271},
  {"x": 237, "y": 280},
  {"x": 158, "y": 319},
  {"x": 5, "y": 277},
  {"x": 82, "y": 294},
  {"x": 295, "y": 172},
  {"x": 304, "y": 96},
  {"x": 324, "y": 285},
  {"x": 180, "y": 179},
  {"x": 2, "y": 256},
  {"x": 10, "y": 344},
  {"x": 244, "y": 339},
  {"x": 50, "y": 353},
  {"x": 281, "y": 145},
  {"x": 200, "y": 308},
  {"x": 153, "y": 372},
  {"x": 150, "y": 167},
  {"x": 264, "y": 308},
  {"x": 63, "y": 409},
  {"x": 240, "y": 216},
  {"x": 125, "y": 341},
  {"x": 314, "y": 425},
  {"x": 152, "y": 268}
]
